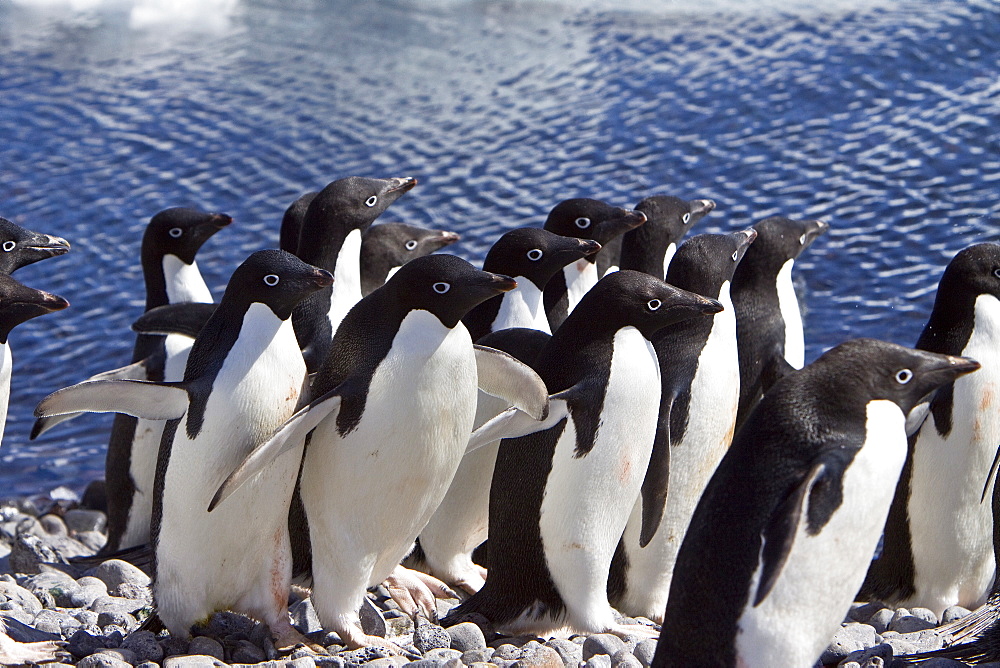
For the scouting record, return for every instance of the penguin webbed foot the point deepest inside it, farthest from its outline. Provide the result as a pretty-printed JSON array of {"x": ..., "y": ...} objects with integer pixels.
[
  {"x": 287, "y": 638},
  {"x": 13, "y": 653},
  {"x": 472, "y": 581},
  {"x": 414, "y": 592},
  {"x": 641, "y": 630},
  {"x": 354, "y": 638}
]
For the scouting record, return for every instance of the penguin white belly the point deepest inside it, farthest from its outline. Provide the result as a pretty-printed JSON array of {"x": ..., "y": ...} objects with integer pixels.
[
  {"x": 788, "y": 303},
  {"x": 667, "y": 257},
  {"x": 588, "y": 499},
  {"x": 522, "y": 307},
  {"x": 146, "y": 446},
  {"x": 346, "y": 280},
  {"x": 184, "y": 282},
  {"x": 951, "y": 530},
  {"x": 824, "y": 571},
  {"x": 580, "y": 277},
  {"x": 715, "y": 394},
  {"x": 461, "y": 521},
  {"x": 418, "y": 415},
  {"x": 6, "y": 367},
  {"x": 205, "y": 561}
]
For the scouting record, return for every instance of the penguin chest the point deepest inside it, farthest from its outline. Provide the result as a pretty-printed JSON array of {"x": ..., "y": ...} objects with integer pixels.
[
  {"x": 826, "y": 564},
  {"x": 668, "y": 255},
  {"x": 589, "y": 494},
  {"x": 580, "y": 277},
  {"x": 788, "y": 304},
  {"x": 346, "y": 280},
  {"x": 522, "y": 307},
  {"x": 184, "y": 282},
  {"x": 6, "y": 366}
]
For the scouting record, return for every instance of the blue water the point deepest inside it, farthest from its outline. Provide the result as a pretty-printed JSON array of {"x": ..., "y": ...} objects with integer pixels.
[{"x": 881, "y": 118}]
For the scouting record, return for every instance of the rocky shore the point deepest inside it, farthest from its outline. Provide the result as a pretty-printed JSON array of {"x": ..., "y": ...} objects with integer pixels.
[{"x": 97, "y": 611}]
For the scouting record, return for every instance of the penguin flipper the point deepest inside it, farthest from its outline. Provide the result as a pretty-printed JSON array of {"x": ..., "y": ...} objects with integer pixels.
[
  {"x": 138, "y": 398},
  {"x": 185, "y": 318},
  {"x": 654, "y": 485},
  {"x": 502, "y": 375},
  {"x": 813, "y": 500},
  {"x": 916, "y": 418},
  {"x": 290, "y": 434},
  {"x": 135, "y": 371},
  {"x": 514, "y": 423}
]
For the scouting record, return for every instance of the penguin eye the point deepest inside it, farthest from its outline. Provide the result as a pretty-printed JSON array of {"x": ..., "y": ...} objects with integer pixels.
[
  {"x": 996, "y": 272},
  {"x": 175, "y": 232},
  {"x": 371, "y": 201},
  {"x": 654, "y": 304},
  {"x": 582, "y": 222},
  {"x": 411, "y": 244},
  {"x": 535, "y": 254},
  {"x": 685, "y": 218},
  {"x": 441, "y": 288},
  {"x": 9, "y": 245},
  {"x": 802, "y": 239},
  {"x": 736, "y": 255},
  {"x": 271, "y": 279},
  {"x": 903, "y": 376}
]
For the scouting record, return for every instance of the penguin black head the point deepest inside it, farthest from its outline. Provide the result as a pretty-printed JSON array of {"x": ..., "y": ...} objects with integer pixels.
[
  {"x": 353, "y": 203},
  {"x": 633, "y": 298},
  {"x": 20, "y": 247},
  {"x": 291, "y": 222},
  {"x": 672, "y": 216},
  {"x": 972, "y": 272},
  {"x": 536, "y": 254},
  {"x": 445, "y": 285},
  {"x": 888, "y": 371},
  {"x": 780, "y": 240},
  {"x": 19, "y": 303},
  {"x": 400, "y": 243},
  {"x": 180, "y": 232},
  {"x": 592, "y": 219},
  {"x": 704, "y": 262},
  {"x": 275, "y": 278}
]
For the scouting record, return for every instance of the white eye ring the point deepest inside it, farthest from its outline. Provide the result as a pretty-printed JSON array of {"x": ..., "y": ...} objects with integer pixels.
[
  {"x": 685, "y": 218},
  {"x": 654, "y": 304},
  {"x": 903, "y": 376},
  {"x": 441, "y": 288},
  {"x": 411, "y": 244},
  {"x": 996, "y": 272},
  {"x": 582, "y": 222},
  {"x": 9, "y": 245},
  {"x": 271, "y": 279},
  {"x": 175, "y": 232},
  {"x": 736, "y": 255},
  {"x": 802, "y": 240},
  {"x": 535, "y": 254},
  {"x": 371, "y": 201}
]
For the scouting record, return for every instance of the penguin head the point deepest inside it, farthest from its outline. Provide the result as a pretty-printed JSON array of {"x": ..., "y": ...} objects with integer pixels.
[
  {"x": 398, "y": 243},
  {"x": 705, "y": 261},
  {"x": 671, "y": 216},
  {"x": 445, "y": 285},
  {"x": 19, "y": 303},
  {"x": 780, "y": 240},
  {"x": 888, "y": 371},
  {"x": 352, "y": 203},
  {"x": 180, "y": 232},
  {"x": 972, "y": 272},
  {"x": 275, "y": 278},
  {"x": 20, "y": 247},
  {"x": 592, "y": 219},
  {"x": 633, "y": 298},
  {"x": 536, "y": 254},
  {"x": 291, "y": 222}
]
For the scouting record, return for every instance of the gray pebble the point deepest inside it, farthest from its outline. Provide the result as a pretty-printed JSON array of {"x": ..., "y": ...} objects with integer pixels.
[
  {"x": 24, "y": 599},
  {"x": 644, "y": 652},
  {"x": 925, "y": 614},
  {"x": 207, "y": 646},
  {"x": 427, "y": 636},
  {"x": 539, "y": 656},
  {"x": 910, "y": 624},
  {"x": 193, "y": 661},
  {"x": 328, "y": 661},
  {"x": 466, "y": 636},
  {"x": 144, "y": 645},
  {"x": 53, "y": 621},
  {"x": 426, "y": 663},
  {"x": 115, "y": 572},
  {"x": 82, "y": 644},
  {"x": 84, "y": 596},
  {"x": 472, "y": 656},
  {"x": 93, "y": 540},
  {"x": 880, "y": 620},
  {"x": 364, "y": 654},
  {"x": 953, "y": 613},
  {"x": 506, "y": 652},
  {"x": 304, "y": 617},
  {"x": 442, "y": 654},
  {"x": 624, "y": 659},
  {"x": 602, "y": 643},
  {"x": 102, "y": 661},
  {"x": 372, "y": 621},
  {"x": 849, "y": 638},
  {"x": 117, "y": 604},
  {"x": 53, "y": 526},
  {"x": 398, "y": 626},
  {"x": 79, "y": 520},
  {"x": 570, "y": 652},
  {"x": 388, "y": 662},
  {"x": 246, "y": 652},
  {"x": 174, "y": 646},
  {"x": 862, "y": 612},
  {"x": 599, "y": 661},
  {"x": 116, "y": 618}
]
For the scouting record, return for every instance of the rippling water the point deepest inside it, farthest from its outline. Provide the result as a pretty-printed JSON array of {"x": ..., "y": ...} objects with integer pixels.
[{"x": 881, "y": 118}]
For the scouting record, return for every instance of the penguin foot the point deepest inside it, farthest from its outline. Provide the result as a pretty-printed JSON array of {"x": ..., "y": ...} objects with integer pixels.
[
  {"x": 13, "y": 653},
  {"x": 640, "y": 630},
  {"x": 472, "y": 580},
  {"x": 287, "y": 638},
  {"x": 354, "y": 638},
  {"x": 415, "y": 592}
]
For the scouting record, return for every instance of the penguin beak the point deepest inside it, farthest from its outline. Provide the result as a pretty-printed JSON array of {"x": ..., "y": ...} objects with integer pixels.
[
  {"x": 47, "y": 246},
  {"x": 814, "y": 229},
  {"x": 321, "y": 278},
  {"x": 589, "y": 246},
  {"x": 701, "y": 207},
  {"x": 446, "y": 238},
  {"x": 401, "y": 184},
  {"x": 501, "y": 283},
  {"x": 748, "y": 235},
  {"x": 220, "y": 220}
]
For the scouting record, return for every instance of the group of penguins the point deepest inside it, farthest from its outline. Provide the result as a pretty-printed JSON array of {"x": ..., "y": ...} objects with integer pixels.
[{"x": 559, "y": 435}]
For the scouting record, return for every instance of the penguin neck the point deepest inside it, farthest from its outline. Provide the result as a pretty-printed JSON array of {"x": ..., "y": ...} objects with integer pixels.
[
  {"x": 346, "y": 289},
  {"x": 522, "y": 307},
  {"x": 580, "y": 277},
  {"x": 5, "y": 370},
  {"x": 642, "y": 252},
  {"x": 668, "y": 255},
  {"x": 788, "y": 304},
  {"x": 175, "y": 281}
]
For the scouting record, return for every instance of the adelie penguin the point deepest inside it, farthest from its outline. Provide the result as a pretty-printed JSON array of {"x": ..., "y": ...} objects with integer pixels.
[
  {"x": 700, "y": 377},
  {"x": 20, "y": 247},
  {"x": 395, "y": 402},
  {"x": 938, "y": 548},
  {"x": 170, "y": 244},
  {"x": 329, "y": 236},
  {"x": 243, "y": 380},
  {"x": 768, "y": 318},
  {"x": 787, "y": 525},
  {"x": 650, "y": 247},
  {"x": 585, "y": 219},
  {"x": 563, "y": 488},
  {"x": 386, "y": 247}
]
